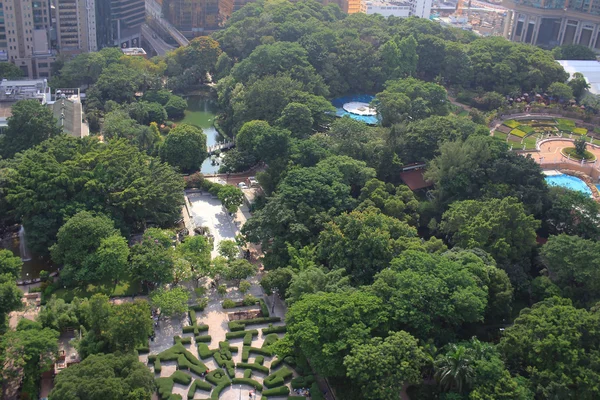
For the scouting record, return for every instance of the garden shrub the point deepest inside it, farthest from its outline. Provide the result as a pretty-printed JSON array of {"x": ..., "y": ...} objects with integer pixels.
[
  {"x": 183, "y": 363},
  {"x": 188, "y": 329},
  {"x": 157, "y": 366},
  {"x": 247, "y": 381},
  {"x": 270, "y": 339},
  {"x": 198, "y": 385},
  {"x": 217, "y": 390},
  {"x": 254, "y": 366},
  {"x": 143, "y": 350},
  {"x": 276, "y": 363},
  {"x": 245, "y": 353},
  {"x": 274, "y": 329},
  {"x": 518, "y": 133},
  {"x": 252, "y": 321},
  {"x": 248, "y": 339},
  {"x": 227, "y": 346},
  {"x": 181, "y": 377},
  {"x": 263, "y": 308},
  {"x": 202, "y": 303},
  {"x": 204, "y": 352},
  {"x": 151, "y": 358},
  {"x": 265, "y": 351},
  {"x": 198, "y": 369},
  {"x": 182, "y": 340},
  {"x": 249, "y": 300},
  {"x": 259, "y": 360},
  {"x": 303, "y": 381},
  {"x": 290, "y": 360},
  {"x": 228, "y": 303},
  {"x": 511, "y": 123},
  {"x": 217, "y": 376},
  {"x": 240, "y": 334},
  {"x": 164, "y": 387},
  {"x": 192, "y": 315},
  {"x": 278, "y": 378},
  {"x": 203, "y": 338},
  {"x": 278, "y": 391},
  {"x": 247, "y": 373}
]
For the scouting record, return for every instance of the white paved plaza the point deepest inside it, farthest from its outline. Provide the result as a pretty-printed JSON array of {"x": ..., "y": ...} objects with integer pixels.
[{"x": 208, "y": 211}]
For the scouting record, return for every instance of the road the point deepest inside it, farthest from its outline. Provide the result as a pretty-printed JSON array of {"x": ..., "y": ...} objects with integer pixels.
[
  {"x": 154, "y": 10},
  {"x": 160, "y": 46}
]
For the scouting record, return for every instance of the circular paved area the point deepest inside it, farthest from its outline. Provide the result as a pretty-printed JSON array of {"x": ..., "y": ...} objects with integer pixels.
[{"x": 550, "y": 150}]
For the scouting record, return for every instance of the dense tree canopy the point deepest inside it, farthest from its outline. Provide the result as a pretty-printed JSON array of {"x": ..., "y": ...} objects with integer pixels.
[
  {"x": 184, "y": 147},
  {"x": 104, "y": 376}
]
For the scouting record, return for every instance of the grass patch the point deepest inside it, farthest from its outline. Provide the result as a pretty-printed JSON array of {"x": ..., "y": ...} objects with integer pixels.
[
  {"x": 566, "y": 122},
  {"x": 511, "y": 123},
  {"x": 579, "y": 131},
  {"x": 124, "y": 287},
  {"x": 500, "y": 136},
  {"x": 518, "y": 133},
  {"x": 526, "y": 128},
  {"x": 570, "y": 151}
]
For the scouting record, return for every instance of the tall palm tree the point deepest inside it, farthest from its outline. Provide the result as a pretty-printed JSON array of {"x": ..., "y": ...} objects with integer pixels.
[{"x": 454, "y": 370}]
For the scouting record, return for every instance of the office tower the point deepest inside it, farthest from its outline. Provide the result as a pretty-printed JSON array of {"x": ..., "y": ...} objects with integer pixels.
[
  {"x": 118, "y": 22},
  {"x": 75, "y": 22},
  {"x": 24, "y": 36},
  {"x": 550, "y": 23},
  {"x": 198, "y": 17}
]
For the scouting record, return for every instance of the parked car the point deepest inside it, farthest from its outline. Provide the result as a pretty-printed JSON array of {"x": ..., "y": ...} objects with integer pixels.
[
  {"x": 252, "y": 181},
  {"x": 242, "y": 185}
]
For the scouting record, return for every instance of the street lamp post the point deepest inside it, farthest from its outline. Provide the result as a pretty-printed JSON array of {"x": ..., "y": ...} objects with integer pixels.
[
  {"x": 273, "y": 302},
  {"x": 27, "y": 277}
]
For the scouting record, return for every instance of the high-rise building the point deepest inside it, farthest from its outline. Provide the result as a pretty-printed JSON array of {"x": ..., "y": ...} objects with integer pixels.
[
  {"x": 75, "y": 22},
  {"x": 119, "y": 22},
  {"x": 198, "y": 17},
  {"x": 348, "y": 6},
  {"x": 550, "y": 23},
  {"x": 25, "y": 27}
]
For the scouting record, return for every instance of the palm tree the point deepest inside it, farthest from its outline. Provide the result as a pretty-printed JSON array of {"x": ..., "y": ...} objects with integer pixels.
[{"x": 454, "y": 370}]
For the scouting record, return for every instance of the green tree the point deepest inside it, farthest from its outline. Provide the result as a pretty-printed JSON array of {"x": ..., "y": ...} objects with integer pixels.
[
  {"x": 573, "y": 52},
  {"x": 297, "y": 118},
  {"x": 580, "y": 147},
  {"x": 394, "y": 201},
  {"x": 229, "y": 249},
  {"x": 569, "y": 213},
  {"x": 106, "y": 376},
  {"x": 399, "y": 361},
  {"x": 28, "y": 351},
  {"x": 363, "y": 243},
  {"x": 90, "y": 249},
  {"x": 10, "y": 297},
  {"x": 579, "y": 85},
  {"x": 129, "y": 325},
  {"x": 231, "y": 197},
  {"x": 59, "y": 315},
  {"x": 184, "y": 147},
  {"x": 196, "y": 250},
  {"x": 324, "y": 327},
  {"x": 10, "y": 71},
  {"x": 454, "y": 370},
  {"x": 313, "y": 279},
  {"x": 29, "y": 124},
  {"x": 555, "y": 345},
  {"x": 574, "y": 266},
  {"x": 152, "y": 259},
  {"x": 190, "y": 65},
  {"x": 170, "y": 301},
  {"x": 277, "y": 280},
  {"x": 175, "y": 107},
  {"x": 500, "y": 227},
  {"x": 10, "y": 264},
  {"x": 239, "y": 269},
  {"x": 560, "y": 91},
  {"x": 119, "y": 83}
]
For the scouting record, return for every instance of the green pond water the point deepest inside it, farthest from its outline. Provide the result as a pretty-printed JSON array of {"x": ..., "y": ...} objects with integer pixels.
[{"x": 201, "y": 113}]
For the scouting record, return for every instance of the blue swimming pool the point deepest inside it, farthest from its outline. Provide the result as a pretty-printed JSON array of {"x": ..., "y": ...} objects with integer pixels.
[
  {"x": 569, "y": 182},
  {"x": 339, "y": 102}
]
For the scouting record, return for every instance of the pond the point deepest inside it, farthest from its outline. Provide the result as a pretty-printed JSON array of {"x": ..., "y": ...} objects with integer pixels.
[
  {"x": 32, "y": 267},
  {"x": 201, "y": 113}
]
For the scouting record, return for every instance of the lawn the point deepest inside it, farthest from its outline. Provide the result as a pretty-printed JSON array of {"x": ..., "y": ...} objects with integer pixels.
[
  {"x": 125, "y": 287},
  {"x": 511, "y": 123},
  {"x": 501, "y": 136},
  {"x": 526, "y": 128},
  {"x": 570, "y": 151},
  {"x": 530, "y": 141},
  {"x": 518, "y": 133},
  {"x": 579, "y": 131}
]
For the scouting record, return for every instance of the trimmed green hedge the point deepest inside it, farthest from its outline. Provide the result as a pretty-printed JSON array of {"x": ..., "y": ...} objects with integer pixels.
[
  {"x": 235, "y": 325},
  {"x": 192, "y": 315},
  {"x": 203, "y": 339},
  {"x": 248, "y": 338},
  {"x": 278, "y": 378},
  {"x": 263, "y": 352},
  {"x": 228, "y": 303},
  {"x": 143, "y": 350},
  {"x": 303, "y": 381},
  {"x": 227, "y": 346},
  {"x": 217, "y": 390},
  {"x": 270, "y": 339},
  {"x": 276, "y": 363},
  {"x": 254, "y": 366},
  {"x": 259, "y": 360},
  {"x": 157, "y": 366},
  {"x": 164, "y": 387},
  {"x": 217, "y": 376},
  {"x": 263, "y": 308},
  {"x": 182, "y": 340},
  {"x": 174, "y": 396},
  {"x": 204, "y": 352},
  {"x": 245, "y": 353},
  {"x": 278, "y": 391},
  {"x": 196, "y": 329},
  {"x": 247, "y": 381},
  {"x": 247, "y": 373},
  {"x": 240, "y": 334},
  {"x": 274, "y": 329},
  {"x": 198, "y": 385},
  {"x": 296, "y": 397},
  {"x": 181, "y": 377}
]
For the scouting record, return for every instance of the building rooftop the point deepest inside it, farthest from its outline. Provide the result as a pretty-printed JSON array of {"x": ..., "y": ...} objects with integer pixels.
[
  {"x": 589, "y": 69},
  {"x": 414, "y": 179},
  {"x": 24, "y": 89},
  {"x": 134, "y": 51},
  {"x": 387, "y": 4}
]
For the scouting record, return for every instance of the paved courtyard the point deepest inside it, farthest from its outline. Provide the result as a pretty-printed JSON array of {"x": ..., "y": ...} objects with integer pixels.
[{"x": 208, "y": 211}]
